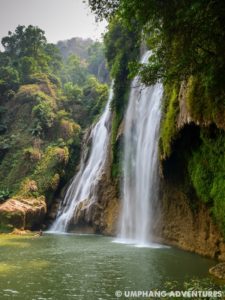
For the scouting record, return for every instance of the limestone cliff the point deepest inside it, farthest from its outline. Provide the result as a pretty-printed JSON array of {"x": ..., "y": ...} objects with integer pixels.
[
  {"x": 189, "y": 229},
  {"x": 185, "y": 220}
]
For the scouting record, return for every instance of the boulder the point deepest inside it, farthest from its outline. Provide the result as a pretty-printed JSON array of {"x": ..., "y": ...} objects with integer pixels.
[
  {"x": 22, "y": 213},
  {"x": 218, "y": 271}
]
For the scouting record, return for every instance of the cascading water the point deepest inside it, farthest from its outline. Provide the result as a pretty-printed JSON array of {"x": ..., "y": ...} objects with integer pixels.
[
  {"x": 141, "y": 180},
  {"x": 83, "y": 187}
]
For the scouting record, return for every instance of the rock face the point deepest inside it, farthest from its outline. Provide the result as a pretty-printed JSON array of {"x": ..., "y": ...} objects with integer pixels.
[
  {"x": 106, "y": 211},
  {"x": 102, "y": 215},
  {"x": 183, "y": 116},
  {"x": 184, "y": 220},
  {"x": 188, "y": 228},
  {"x": 22, "y": 213}
]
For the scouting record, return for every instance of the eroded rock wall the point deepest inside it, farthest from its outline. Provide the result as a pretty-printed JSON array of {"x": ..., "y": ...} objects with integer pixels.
[
  {"x": 189, "y": 228},
  {"x": 184, "y": 220},
  {"x": 104, "y": 213}
]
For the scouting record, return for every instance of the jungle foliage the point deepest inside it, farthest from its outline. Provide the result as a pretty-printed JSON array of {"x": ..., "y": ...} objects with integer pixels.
[{"x": 46, "y": 102}]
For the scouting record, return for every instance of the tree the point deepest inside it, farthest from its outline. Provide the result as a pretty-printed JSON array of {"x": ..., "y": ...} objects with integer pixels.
[
  {"x": 55, "y": 58},
  {"x": 97, "y": 61},
  {"x": 43, "y": 118},
  {"x": 122, "y": 47},
  {"x": 73, "y": 92},
  {"x": 25, "y": 41},
  {"x": 9, "y": 79},
  {"x": 29, "y": 52},
  {"x": 74, "y": 71},
  {"x": 27, "y": 66},
  {"x": 104, "y": 8},
  {"x": 185, "y": 36},
  {"x": 95, "y": 95}
]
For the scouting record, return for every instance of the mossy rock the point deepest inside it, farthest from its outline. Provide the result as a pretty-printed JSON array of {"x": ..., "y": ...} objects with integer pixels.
[
  {"x": 218, "y": 271},
  {"x": 11, "y": 219},
  {"x": 22, "y": 213},
  {"x": 204, "y": 103},
  {"x": 169, "y": 119}
]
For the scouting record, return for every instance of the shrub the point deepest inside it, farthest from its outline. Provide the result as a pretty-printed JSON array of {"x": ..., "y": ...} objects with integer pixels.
[
  {"x": 55, "y": 181},
  {"x": 28, "y": 187},
  {"x": 62, "y": 155},
  {"x": 62, "y": 114},
  {"x": 36, "y": 93},
  {"x": 27, "y": 92},
  {"x": 28, "y": 65},
  {"x": 53, "y": 162},
  {"x": 9, "y": 79},
  {"x": 207, "y": 172},
  {"x": 73, "y": 91},
  {"x": 43, "y": 118},
  {"x": 32, "y": 154},
  {"x": 68, "y": 129},
  {"x": 205, "y": 102},
  {"x": 4, "y": 195}
]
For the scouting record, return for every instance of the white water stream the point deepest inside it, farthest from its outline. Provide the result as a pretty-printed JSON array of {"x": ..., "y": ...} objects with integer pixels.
[
  {"x": 83, "y": 187},
  {"x": 141, "y": 178}
]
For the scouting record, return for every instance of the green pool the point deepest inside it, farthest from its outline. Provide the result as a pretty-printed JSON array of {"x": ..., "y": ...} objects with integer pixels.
[{"x": 88, "y": 267}]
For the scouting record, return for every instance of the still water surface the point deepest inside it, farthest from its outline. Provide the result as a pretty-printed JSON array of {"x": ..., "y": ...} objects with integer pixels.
[{"x": 87, "y": 267}]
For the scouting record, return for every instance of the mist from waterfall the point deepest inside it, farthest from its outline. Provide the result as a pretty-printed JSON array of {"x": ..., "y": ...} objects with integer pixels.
[
  {"x": 140, "y": 167},
  {"x": 82, "y": 190}
]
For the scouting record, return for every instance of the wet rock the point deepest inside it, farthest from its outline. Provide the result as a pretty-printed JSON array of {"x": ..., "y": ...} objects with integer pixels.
[
  {"x": 101, "y": 210},
  {"x": 110, "y": 220},
  {"x": 22, "y": 213},
  {"x": 218, "y": 271},
  {"x": 184, "y": 116},
  {"x": 187, "y": 228},
  {"x": 20, "y": 232}
]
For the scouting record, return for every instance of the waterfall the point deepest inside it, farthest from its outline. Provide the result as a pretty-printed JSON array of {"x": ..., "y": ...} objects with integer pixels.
[
  {"x": 81, "y": 193},
  {"x": 140, "y": 180}
]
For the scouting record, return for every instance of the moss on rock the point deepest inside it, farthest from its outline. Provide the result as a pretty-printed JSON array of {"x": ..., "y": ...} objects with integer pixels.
[
  {"x": 169, "y": 119},
  {"x": 207, "y": 172},
  {"x": 205, "y": 105}
]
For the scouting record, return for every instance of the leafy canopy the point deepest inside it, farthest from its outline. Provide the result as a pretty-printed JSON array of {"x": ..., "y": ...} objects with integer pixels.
[{"x": 185, "y": 36}]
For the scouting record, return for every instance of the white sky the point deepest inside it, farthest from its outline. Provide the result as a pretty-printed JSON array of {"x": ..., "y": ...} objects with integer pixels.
[{"x": 60, "y": 19}]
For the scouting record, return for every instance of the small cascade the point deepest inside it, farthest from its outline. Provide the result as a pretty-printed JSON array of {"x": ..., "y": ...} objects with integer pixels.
[
  {"x": 81, "y": 193},
  {"x": 141, "y": 179}
]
